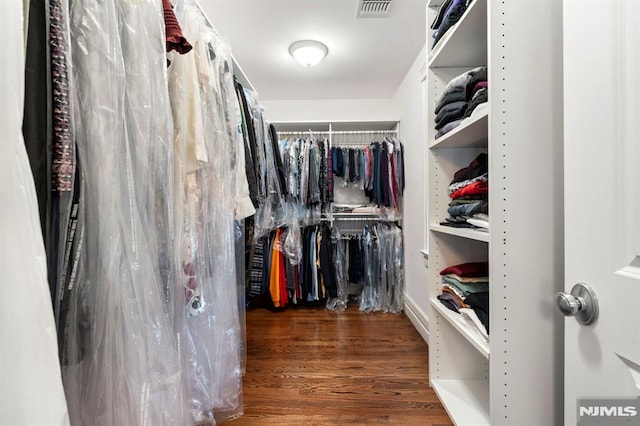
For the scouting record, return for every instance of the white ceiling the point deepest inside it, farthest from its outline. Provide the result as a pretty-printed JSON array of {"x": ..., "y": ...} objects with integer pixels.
[{"x": 368, "y": 58}]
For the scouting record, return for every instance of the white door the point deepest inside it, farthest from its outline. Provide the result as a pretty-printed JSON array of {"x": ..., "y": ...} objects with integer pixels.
[{"x": 602, "y": 207}]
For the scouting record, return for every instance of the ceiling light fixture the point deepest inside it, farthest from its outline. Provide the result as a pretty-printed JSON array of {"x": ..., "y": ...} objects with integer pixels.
[{"x": 308, "y": 52}]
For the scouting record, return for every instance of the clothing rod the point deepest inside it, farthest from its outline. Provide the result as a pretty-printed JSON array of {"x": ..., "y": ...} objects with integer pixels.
[
  {"x": 361, "y": 219},
  {"x": 354, "y": 214},
  {"x": 348, "y": 144},
  {"x": 303, "y": 132},
  {"x": 361, "y": 132},
  {"x": 338, "y": 132}
]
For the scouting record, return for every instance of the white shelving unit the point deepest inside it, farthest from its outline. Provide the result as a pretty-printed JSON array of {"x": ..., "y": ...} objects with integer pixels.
[
  {"x": 466, "y": 401},
  {"x": 471, "y": 133},
  {"x": 471, "y": 234},
  {"x": 516, "y": 378},
  {"x": 458, "y": 322},
  {"x": 460, "y": 46}
]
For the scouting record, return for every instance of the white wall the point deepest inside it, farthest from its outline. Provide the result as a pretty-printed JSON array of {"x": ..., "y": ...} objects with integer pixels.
[
  {"x": 331, "y": 110},
  {"x": 409, "y": 98}
]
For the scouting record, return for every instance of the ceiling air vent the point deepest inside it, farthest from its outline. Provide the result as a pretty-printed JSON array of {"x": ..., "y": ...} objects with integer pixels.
[{"x": 373, "y": 8}]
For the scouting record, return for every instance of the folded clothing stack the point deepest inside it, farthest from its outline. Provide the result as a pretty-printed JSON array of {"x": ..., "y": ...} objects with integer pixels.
[
  {"x": 448, "y": 15},
  {"x": 460, "y": 100},
  {"x": 465, "y": 289},
  {"x": 469, "y": 189}
]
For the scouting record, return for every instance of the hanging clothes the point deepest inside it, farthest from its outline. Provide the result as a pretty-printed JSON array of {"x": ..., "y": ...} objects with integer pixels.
[
  {"x": 206, "y": 209},
  {"x": 63, "y": 156},
  {"x": 376, "y": 169},
  {"x": 271, "y": 210},
  {"x": 311, "y": 280},
  {"x": 175, "y": 40},
  {"x": 116, "y": 371},
  {"x": 340, "y": 300},
  {"x": 384, "y": 269},
  {"x": 251, "y": 161},
  {"x": 140, "y": 192},
  {"x": 64, "y": 201},
  {"x": 278, "y": 273},
  {"x": 326, "y": 264},
  {"x": 309, "y": 167}
]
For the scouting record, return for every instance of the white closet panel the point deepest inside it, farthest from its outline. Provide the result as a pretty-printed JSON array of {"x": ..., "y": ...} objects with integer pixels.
[{"x": 516, "y": 378}]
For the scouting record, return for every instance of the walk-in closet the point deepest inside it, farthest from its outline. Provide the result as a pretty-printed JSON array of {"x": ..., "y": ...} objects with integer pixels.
[{"x": 318, "y": 212}]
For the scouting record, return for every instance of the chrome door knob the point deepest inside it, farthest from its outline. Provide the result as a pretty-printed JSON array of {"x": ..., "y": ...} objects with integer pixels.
[
  {"x": 581, "y": 303},
  {"x": 568, "y": 304}
]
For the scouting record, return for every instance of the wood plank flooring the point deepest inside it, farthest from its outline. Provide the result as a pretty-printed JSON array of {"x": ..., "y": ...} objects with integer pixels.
[{"x": 314, "y": 367}]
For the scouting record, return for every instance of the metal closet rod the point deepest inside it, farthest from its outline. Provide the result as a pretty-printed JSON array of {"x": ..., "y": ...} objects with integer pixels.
[
  {"x": 302, "y": 132},
  {"x": 361, "y": 132},
  {"x": 337, "y": 132},
  {"x": 362, "y": 219}
]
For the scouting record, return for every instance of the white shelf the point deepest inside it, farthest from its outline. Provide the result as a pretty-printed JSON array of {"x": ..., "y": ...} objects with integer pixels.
[
  {"x": 469, "y": 233},
  {"x": 464, "y": 44},
  {"x": 472, "y": 133},
  {"x": 468, "y": 332},
  {"x": 466, "y": 401}
]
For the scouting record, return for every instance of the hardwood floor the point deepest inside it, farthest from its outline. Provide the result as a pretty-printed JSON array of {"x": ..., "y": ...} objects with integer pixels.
[{"x": 314, "y": 367}]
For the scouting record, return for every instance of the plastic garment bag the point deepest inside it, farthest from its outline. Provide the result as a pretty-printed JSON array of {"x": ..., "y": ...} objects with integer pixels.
[
  {"x": 240, "y": 283},
  {"x": 385, "y": 284},
  {"x": 369, "y": 296},
  {"x": 243, "y": 205},
  {"x": 339, "y": 303},
  {"x": 396, "y": 303},
  {"x": 292, "y": 238},
  {"x": 390, "y": 268},
  {"x": 150, "y": 131},
  {"x": 233, "y": 125},
  {"x": 304, "y": 174},
  {"x": 272, "y": 211},
  {"x": 205, "y": 208},
  {"x": 31, "y": 387},
  {"x": 120, "y": 354},
  {"x": 384, "y": 269}
]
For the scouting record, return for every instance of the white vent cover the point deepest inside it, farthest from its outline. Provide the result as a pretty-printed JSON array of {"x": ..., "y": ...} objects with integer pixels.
[{"x": 373, "y": 8}]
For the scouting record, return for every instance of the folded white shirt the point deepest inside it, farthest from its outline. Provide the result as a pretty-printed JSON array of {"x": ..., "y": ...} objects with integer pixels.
[
  {"x": 476, "y": 221},
  {"x": 472, "y": 319}
]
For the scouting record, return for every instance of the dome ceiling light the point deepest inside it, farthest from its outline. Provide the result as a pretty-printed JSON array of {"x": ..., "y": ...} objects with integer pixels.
[{"x": 308, "y": 52}]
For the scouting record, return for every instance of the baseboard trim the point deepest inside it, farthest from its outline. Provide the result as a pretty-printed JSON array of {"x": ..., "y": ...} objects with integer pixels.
[{"x": 417, "y": 317}]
